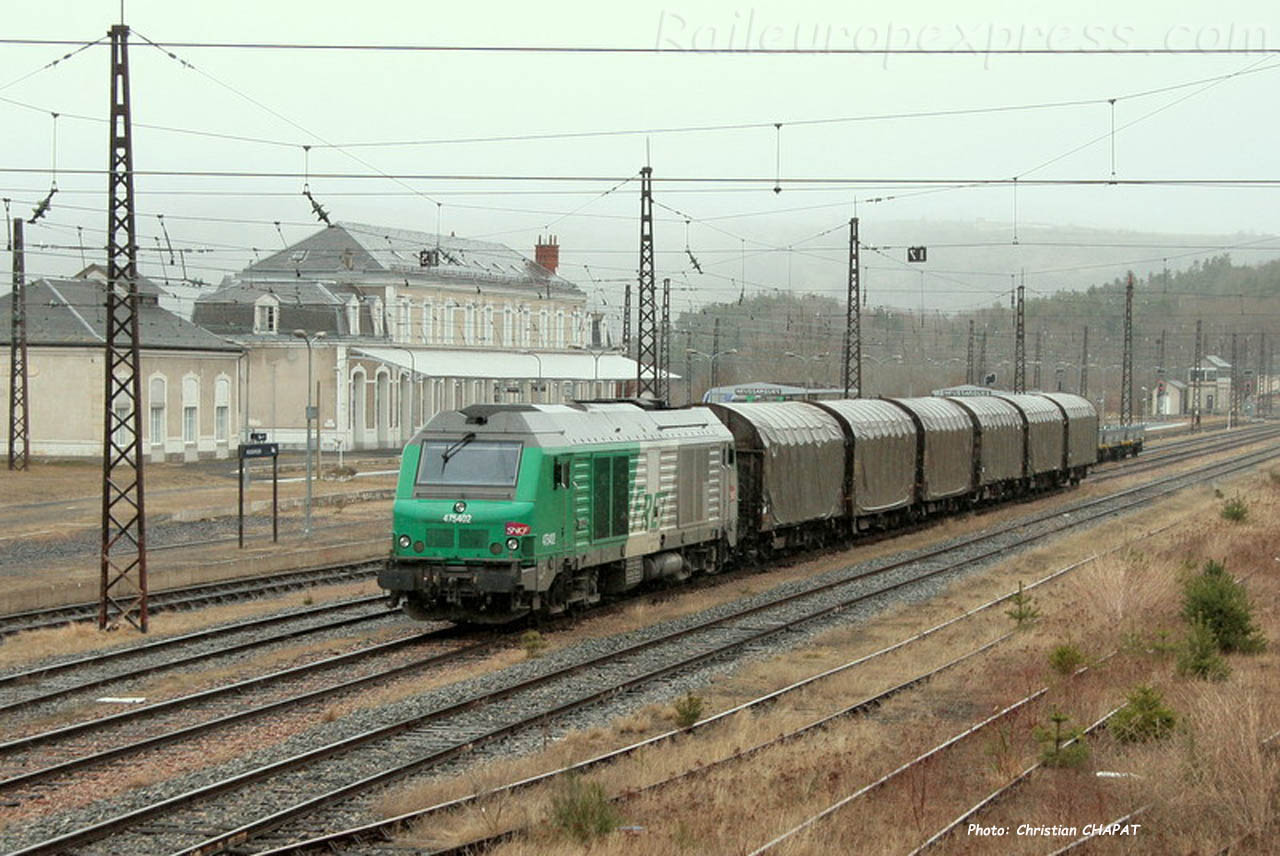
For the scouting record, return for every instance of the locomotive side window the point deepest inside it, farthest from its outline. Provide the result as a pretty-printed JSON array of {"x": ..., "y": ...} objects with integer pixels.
[
  {"x": 610, "y": 492},
  {"x": 561, "y": 473},
  {"x": 621, "y": 493},
  {"x": 468, "y": 461},
  {"x": 600, "y": 495}
]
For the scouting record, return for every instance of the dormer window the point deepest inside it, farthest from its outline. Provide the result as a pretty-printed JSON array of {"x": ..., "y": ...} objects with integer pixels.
[
  {"x": 353, "y": 316},
  {"x": 266, "y": 314}
]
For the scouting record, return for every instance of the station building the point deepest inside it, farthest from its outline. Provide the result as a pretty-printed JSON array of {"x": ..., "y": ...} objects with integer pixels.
[
  {"x": 190, "y": 377},
  {"x": 398, "y": 325}
]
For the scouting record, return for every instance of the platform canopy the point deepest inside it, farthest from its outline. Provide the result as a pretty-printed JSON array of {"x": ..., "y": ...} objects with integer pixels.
[{"x": 481, "y": 363}]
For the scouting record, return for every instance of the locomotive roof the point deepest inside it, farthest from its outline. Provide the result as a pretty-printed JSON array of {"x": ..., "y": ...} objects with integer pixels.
[{"x": 556, "y": 425}]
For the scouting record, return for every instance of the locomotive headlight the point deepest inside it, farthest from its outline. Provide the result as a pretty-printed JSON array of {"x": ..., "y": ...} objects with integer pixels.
[
  {"x": 459, "y": 507},
  {"x": 404, "y": 542},
  {"x": 513, "y": 544}
]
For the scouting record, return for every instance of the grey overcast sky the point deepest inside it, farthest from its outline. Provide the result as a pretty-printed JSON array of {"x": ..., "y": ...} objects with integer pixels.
[{"x": 238, "y": 110}]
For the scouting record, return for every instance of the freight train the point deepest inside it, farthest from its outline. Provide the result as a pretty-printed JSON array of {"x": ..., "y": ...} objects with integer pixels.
[{"x": 509, "y": 510}]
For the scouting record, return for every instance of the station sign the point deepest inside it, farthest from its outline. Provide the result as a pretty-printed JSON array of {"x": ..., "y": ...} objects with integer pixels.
[{"x": 259, "y": 450}]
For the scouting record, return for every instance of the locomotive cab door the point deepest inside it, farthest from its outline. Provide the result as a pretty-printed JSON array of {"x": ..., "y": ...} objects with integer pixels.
[{"x": 564, "y": 502}]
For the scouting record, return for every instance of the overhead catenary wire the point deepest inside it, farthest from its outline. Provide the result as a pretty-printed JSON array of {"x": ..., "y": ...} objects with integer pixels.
[
  {"x": 676, "y": 51},
  {"x": 741, "y": 280}
]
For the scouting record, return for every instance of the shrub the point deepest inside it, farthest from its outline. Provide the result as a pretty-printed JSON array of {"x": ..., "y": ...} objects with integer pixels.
[
  {"x": 688, "y": 710},
  {"x": 1223, "y": 605},
  {"x": 533, "y": 643},
  {"x": 581, "y": 810},
  {"x": 1199, "y": 657},
  {"x": 1063, "y": 747},
  {"x": 1065, "y": 659},
  {"x": 1235, "y": 510},
  {"x": 1144, "y": 717},
  {"x": 1024, "y": 610}
]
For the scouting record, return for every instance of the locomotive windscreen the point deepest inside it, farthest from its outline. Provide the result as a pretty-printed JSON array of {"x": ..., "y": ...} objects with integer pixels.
[{"x": 468, "y": 461}]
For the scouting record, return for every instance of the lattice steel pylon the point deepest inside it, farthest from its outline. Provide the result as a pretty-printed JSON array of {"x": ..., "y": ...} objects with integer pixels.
[
  {"x": 647, "y": 373},
  {"x": 1260, "y": 376},
  {"x": 1084, "y": 365},
  {"x": 1020, "y": 343},
  {"x": 1196, "y": 373},
  {"x": 664, "y": 344},
  {"x": 852, "y": 374},
  {"x": 968, "y": 363},
  {"x": 19, "y": 391},
  {"x": 626, "y": 319},
  {"x": 1035, "y": 383},
  {"x": 982, "y": 358},
  {"x": 124, "y": 543},
  {"x": 1126, "y": 364},
  {"x": 1234, "y": 415}
]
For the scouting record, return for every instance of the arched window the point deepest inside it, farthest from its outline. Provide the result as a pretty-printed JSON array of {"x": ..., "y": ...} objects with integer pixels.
[
  {"x": 404, "y": 320},
  {"x": 266, "y": 314},
  {"x": 159, "y": 427},
  {"x": 560, "y": 337},
  {"x": 505, "y": 333},
  {"x": 428, "y": 322},
  {"x": 190, "y": 409},
  {"x": 486, "y": 330},
  {"x": 221, "y": 408},
  {"x": 451, "y": 324},
  {"x": 353, "y": 315}
]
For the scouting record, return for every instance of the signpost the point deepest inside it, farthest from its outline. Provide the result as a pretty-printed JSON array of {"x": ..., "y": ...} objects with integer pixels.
[{"x": 262, "y": 450}]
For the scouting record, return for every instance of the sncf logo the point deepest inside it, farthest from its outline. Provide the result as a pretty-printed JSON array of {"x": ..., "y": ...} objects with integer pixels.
[{"x": 517, "y": 529}]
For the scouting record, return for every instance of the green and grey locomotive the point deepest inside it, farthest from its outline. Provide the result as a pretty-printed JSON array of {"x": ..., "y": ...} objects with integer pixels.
[{"x": 506, "y": 510}]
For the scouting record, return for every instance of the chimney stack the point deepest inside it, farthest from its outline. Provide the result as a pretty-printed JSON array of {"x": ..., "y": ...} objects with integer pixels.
[{"x": 547, "y": 253}]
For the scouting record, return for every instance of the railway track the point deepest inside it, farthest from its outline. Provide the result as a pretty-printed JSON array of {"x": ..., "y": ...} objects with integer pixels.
[
  {"x": 1184, "y": 450},
  {"x": 243, "y": 588},
  {"x": 250, "y": 801},
  {"x": 52, "y": 756},
  {"x": 203, "y": 594},
  {"x": 22, "y": 691}
]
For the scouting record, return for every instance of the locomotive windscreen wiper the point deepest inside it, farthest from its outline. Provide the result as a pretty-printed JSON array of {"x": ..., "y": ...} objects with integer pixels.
[{"x": 456, "y": 448}]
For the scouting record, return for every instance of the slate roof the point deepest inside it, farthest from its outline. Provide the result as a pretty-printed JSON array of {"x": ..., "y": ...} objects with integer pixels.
[
  {"x": 73, "y": 312},
  {"x": 362, "y": 252}
]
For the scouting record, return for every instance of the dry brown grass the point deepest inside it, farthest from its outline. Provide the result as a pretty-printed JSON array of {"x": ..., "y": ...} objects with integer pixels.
[
  {"x": 35, "y": 645},
  {"x": 1131, "y": 595}
]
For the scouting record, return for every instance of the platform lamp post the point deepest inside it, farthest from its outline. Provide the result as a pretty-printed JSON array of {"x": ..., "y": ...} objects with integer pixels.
[
  {"x": 808, "y": 369},
  {"x": 596, "y": 354},
  {"x": 711, "y": 360},
  {"x": 311, "y": 414}
]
